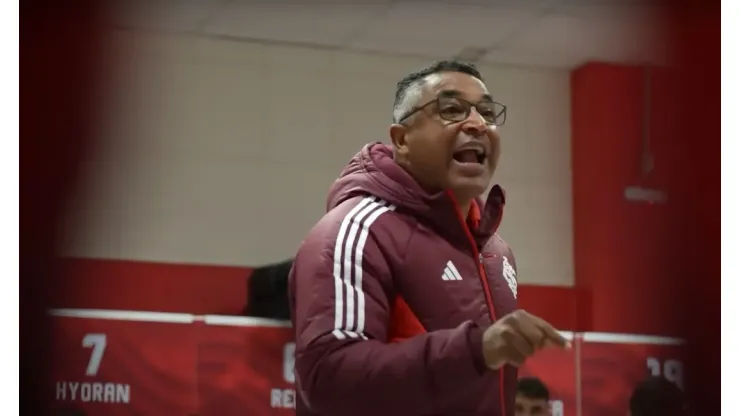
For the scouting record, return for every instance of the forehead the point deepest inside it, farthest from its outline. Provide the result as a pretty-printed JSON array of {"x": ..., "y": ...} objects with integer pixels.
[{"x": 467, "y": 86}]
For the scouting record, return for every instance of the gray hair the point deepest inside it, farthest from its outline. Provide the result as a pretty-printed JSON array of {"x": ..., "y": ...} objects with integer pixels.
[
  {"x": 409, "y": 88},
  {"x": 409, "y": 99}
]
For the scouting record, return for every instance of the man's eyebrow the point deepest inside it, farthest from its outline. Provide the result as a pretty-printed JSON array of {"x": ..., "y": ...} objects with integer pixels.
[
  {"x": 486, "y": 97},
  {"x": 449, "y": 93}
]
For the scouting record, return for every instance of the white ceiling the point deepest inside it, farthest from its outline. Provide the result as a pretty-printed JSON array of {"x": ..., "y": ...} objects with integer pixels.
[{"x": 552, "y": 33}]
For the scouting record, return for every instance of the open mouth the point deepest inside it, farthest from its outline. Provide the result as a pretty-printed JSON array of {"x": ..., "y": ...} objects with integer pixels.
[{"x": 470, "y": 156}]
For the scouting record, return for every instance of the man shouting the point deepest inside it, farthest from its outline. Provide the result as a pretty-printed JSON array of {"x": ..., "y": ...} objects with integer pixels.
[{"x": 403, "y": 296}]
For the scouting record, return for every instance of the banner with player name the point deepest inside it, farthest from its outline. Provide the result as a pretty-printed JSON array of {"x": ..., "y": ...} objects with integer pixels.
[
  {"x": 135, "y": 363},
  {"x": 143, "y": 363}
]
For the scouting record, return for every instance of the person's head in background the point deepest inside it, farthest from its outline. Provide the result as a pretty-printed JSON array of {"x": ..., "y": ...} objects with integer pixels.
[
  {"x": 656, "y": 396},
  {"x": 532, "y": 397}
]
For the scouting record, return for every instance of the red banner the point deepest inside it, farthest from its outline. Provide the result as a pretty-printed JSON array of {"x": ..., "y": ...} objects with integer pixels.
[
  {"x": 139, "y": 363},
  {"x": 611, "y": 365},
  {"x": 124, "y": 363},
  {"x": 245, "y": 366}
]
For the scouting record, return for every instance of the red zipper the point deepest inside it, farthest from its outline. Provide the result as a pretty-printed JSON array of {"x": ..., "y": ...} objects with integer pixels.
[{"x": 486, "y": 289}]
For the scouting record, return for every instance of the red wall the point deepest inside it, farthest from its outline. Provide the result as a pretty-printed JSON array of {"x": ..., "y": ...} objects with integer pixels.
[
  {"x": 627, "y": 254},
  {"x": 128, "y": 285}
]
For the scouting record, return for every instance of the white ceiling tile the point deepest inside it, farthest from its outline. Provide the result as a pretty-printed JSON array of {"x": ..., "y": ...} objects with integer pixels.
[
  {"x": 532, "y": 5},
  {"x": 410, "y": 46},
  {"x": 439, "y": 25},
  {"x": 386, "y": 68},
  {"x": 165, "y": 15},
  {"x": 212, "y": 50},
  {"x": 522, "y": 32},
  {"x": 544, "y": 58},
  {"x": 610, "y": 9},
  {"x": 599, "y": 37},
  {"x": 310, "y": 60},
  {"x": 326, "y": 24},
  {"x": 553, "y": 32}
]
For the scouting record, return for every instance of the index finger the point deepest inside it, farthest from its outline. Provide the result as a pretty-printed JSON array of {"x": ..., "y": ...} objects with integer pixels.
[{"x": 552, "y": 336}]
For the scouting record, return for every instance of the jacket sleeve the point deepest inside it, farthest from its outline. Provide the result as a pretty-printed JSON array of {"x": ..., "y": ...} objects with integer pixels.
[{"x": 341, "y": 298}]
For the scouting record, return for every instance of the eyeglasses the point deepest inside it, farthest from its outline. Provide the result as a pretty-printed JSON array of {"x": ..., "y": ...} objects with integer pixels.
[{"x": 457, "y": 110}]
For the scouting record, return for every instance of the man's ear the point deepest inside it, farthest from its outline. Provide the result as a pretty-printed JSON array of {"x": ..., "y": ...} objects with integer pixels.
[{"x": 398, "y": 138}]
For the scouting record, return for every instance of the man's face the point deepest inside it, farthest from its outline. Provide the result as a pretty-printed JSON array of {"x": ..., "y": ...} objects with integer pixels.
[
  {"x": 434, "y": 147},
  {"x": 527, "y": 406}
]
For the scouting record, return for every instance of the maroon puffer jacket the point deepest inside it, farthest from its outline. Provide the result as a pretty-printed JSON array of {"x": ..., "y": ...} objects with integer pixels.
[{"x": 390, "y": 293}]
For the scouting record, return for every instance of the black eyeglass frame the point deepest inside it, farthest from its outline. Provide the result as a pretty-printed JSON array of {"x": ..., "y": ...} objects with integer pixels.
[{"x": 468, "y": 105}]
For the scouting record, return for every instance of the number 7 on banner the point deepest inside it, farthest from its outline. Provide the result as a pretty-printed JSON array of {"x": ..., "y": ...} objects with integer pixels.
[{"x": 98, "y": 343}]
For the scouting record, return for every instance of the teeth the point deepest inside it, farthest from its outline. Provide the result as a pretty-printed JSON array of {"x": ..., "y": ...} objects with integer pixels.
[{"x": 479, "y": 152}]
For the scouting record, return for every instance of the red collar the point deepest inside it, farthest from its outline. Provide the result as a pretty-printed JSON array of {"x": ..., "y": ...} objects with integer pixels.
[{"x": 474, "y": 215}]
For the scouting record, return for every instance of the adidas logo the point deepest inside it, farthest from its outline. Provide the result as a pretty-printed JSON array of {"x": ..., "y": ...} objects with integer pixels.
[{"x": 450, "y": 272}]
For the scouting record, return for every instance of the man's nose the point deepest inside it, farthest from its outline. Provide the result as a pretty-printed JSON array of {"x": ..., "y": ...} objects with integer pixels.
[{"x": 474, "y": 125}]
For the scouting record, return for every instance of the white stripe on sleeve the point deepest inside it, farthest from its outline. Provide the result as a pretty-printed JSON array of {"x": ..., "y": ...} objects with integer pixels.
[{"x": 347, "y": 266}]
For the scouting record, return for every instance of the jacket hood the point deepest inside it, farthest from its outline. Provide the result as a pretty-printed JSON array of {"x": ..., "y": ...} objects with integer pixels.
[{"x": 373, "y": 171}]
